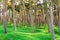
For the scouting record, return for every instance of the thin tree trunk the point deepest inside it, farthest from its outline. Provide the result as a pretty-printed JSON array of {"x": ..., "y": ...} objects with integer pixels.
[
  {"x": 38, "y": 22},
  {"x": 59, "y": 19},
  {"x": 25, "y": 21},
  {"x": 31, "y": 21},
  {"x": 47, "y": 16},
  {"x": 35, "y": 11},
  {"x": 31, "y": 24},
  {"x": 12, "y": 16},
  {"x": 4, "y": 16},
  {"x": 51, "y": 20},
  {"x": 13, "y": 12}
]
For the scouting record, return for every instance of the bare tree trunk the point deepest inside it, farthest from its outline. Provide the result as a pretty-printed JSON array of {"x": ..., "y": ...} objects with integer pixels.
[
  {"x": 13, "y": 13},
  {"x": 24, "y": 8},
  {"x": 35, "y": 11},
  {"x": 35, "y": 18},
  {"x": 38, "y": 21},
  {"x": 47, "y": 16},
  {"x": 31, "y": 24},
  {"x": 4, "y": 16},
  {"x": 12, "y": 16},
  {"x": 31, "y": 21},
  {"x": 59, "y": 19},
  {"x": 51, "y": 20}
]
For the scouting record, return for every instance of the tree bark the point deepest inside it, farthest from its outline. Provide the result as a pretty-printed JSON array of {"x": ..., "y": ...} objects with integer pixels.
[
  {"x": 31, "y": 24},
  {"x": 24, "y": 8},
  {"x": 4, "y": 16},
  {"x": 48, "y": 16},
  {"x": 13, "y": 14},
  {"x": 51, "y": 20},
  {"x": 59, "y": 19}
]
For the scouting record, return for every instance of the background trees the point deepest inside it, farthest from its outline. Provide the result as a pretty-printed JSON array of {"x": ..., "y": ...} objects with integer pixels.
[{"x": 33, "y": 12}]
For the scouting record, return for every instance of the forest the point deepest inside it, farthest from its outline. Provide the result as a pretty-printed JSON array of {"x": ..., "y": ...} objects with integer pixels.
[{"x": 29, "y": 19}]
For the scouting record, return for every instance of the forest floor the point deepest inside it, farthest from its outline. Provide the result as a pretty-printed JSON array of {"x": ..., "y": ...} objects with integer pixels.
[{"x": 24, "y": 33}]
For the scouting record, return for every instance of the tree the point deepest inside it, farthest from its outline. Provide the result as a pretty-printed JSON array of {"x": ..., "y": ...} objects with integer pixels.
[
  {"x": 24, "y": 13},
  {"x": 4, "y": 15},
  {"x": 51, "y": 19},
  {"x": 59, "y": 17},
  {"x": 49, "y": 13},
  {"x": 13, "y": 13},
  {"x": 35, "y": 2},
  {"x": 31, "y": 24}
]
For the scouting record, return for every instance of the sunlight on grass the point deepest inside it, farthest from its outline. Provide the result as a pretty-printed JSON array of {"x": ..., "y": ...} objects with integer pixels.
[{"x": 24, "y": 33}]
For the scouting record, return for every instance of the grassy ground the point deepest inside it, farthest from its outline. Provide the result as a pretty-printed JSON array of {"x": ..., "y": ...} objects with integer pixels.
[{"x": 24, "y": 33}]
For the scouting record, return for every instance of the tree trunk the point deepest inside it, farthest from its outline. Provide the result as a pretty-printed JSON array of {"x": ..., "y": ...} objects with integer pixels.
[
  {"x": 51, "y": 20},
  {"x": 24, "y": 8},
  {"x": 13, "y": 14},
  {"x": 35, "y": 18},
  {"x": 31, "y": 24},
  {"x": 47, "y": 16},
  {"x": 51, "y": 23},
  {"x": 35, "y": 12},
  {"x": 4, "y": 16},
  {"x": 59, "y": 19}
]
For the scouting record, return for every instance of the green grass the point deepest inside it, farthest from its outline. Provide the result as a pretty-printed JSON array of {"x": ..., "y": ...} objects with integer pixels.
[{"x": 24, "y": 33}]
